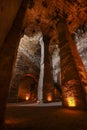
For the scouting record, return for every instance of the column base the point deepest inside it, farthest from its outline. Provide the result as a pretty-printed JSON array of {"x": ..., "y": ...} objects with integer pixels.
[{"x": 40, "y": 101}]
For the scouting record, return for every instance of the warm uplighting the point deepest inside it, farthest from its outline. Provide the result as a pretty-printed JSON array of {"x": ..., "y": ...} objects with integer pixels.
[
  {"x": 71, "y": 101},
  {"x": 27, "y": 97},
  {"x": 49, "y": 97}
]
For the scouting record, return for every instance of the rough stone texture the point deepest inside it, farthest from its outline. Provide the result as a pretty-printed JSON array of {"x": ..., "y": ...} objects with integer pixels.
[
  {"x": 24, "y": 66},
  {"x": 8, "y": 11},
  {"x": 48, "y": 12},
  {"x": 81, "y": 43},
  {"x": 7, "y": 54},
  {"x": 54, "y": 52},
  {"x": 27, "y": 88},
  {"x": 45, "y": 14},
  {"x": 30, "y": 47},
  {"x": 72, "y": 84},
  {"x": 48, "y": 84},
  {"x": 27, "y": 62}
]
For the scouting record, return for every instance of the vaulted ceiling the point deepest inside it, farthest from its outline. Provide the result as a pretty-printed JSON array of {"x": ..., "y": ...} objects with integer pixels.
[
  {"x": 40, "y": 15},
  {"x": 48, "y": 11},
  {"x": 45, "y": 15},
  {"x": 43, "y": 12}
]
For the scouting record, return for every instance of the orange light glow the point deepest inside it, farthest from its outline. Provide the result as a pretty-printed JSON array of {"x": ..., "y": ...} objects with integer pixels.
[
  {"x": 71, "y": 101},
  {"x": 49, "y": 97},
  {"x": 27, "y": 97}
]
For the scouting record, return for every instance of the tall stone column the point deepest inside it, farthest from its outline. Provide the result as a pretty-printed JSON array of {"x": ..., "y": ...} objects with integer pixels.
[
  {"x": 7, "y": 56},
  {"x": 73, "y": 74},
  {"x": 48, "y": 85},
  {"x": 41, "y": 77}
]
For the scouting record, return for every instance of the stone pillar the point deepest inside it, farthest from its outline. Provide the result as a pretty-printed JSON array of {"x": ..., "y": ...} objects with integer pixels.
[
  {"x": 48, "y": 85},
  {"x": 72, "y": 70},
  {"x": 7, "y": 56},
  {"x": 41, "y": 77}
]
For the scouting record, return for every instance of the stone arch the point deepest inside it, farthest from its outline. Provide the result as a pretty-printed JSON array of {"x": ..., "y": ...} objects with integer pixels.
[
  {"x": 30, "y": 75},
  {"x": 27, "y": 88},
  {"x": 26, "y": 61}
]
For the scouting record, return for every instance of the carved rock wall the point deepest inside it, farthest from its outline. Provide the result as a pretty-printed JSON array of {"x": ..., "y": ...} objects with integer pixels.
[
  {"x": 72, "y": 70},
  {"x": 81, "y": 43},
  {"x": 48, "y": 12},
  {"x": 27, "y": 62},
  {"x": 7, "y": 56},
  {"x": 8, "y": 11}
]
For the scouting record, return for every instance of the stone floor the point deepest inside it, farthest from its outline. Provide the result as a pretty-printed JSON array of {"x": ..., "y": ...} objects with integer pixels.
[{"x": 44, "y": 117}]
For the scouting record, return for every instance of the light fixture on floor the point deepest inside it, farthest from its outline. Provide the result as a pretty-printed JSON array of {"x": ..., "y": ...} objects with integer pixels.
[
  {"x": 27, "y": 97},
  {"x": 49, "y": 97},
  {"x": 71, "y": 102}
]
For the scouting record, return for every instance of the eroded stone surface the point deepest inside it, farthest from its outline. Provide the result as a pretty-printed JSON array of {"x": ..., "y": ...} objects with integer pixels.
[
  {"x": 81, "y": 43},
  {"x": 46, "y": 14}
]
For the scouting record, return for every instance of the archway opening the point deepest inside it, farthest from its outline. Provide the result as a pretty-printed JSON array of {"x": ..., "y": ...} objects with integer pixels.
[
  {"x": 27, "y": 61},
  {"x": 27, "y": 89}
]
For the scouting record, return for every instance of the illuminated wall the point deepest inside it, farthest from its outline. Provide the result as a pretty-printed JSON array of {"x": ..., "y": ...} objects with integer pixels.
[
  {"x": 27, "y": 89},
  {"x": 81, "y": 43}
]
